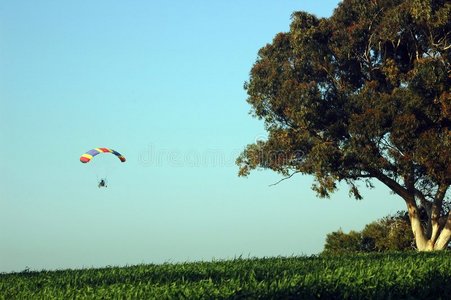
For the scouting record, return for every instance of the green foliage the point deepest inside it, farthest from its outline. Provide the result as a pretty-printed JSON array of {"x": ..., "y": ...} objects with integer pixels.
[
  {"x": 339, "y": 242},
  {"x": 357, "y": 276},
  {"x": 391, "y": 233},
  {"x": 364, "y": 93}
]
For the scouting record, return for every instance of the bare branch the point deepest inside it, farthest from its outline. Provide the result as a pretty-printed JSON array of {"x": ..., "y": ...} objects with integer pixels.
[{"x": 285, "y": 178}]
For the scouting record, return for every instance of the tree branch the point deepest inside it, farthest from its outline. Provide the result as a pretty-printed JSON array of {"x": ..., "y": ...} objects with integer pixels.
[
  {"x": 440, "y": 195},
  {"x": 285, "y": 178},
  {"x": 437, "y": 211},
  {"x": 445, "y": 234},
  {"x": 393, "y": 185},
  {"x": 424, "y": 202}
]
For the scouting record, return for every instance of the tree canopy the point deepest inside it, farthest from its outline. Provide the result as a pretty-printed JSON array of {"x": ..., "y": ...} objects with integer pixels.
[{"x": 362, "y": 95}]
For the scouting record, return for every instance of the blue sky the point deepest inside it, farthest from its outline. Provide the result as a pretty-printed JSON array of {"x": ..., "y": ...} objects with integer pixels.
[{"x": 162, "y": 83}]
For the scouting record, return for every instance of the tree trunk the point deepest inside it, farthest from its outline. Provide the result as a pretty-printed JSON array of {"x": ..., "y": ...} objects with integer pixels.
[
  {"x": 445, "y": 236},
  {"x": 420, "y": 240},
  {"x": 439, "y": 235},
  {"x": 423, "y": 242}
]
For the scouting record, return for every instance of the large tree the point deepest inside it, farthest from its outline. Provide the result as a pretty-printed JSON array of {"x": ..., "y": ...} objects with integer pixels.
[{"x": 363, "y": 95}]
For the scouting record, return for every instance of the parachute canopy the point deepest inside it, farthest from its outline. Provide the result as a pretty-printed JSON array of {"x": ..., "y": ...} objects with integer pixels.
[{"x": 93, "y": 152}]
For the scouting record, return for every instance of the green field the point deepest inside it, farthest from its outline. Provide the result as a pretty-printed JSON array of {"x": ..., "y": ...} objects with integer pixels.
[{"x": 358, "y": 276}]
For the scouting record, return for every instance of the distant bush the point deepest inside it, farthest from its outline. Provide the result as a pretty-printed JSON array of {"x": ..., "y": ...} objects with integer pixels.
[{"x": 391, "y": 233}]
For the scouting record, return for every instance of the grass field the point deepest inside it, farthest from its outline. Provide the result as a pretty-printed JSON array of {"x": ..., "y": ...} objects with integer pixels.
[{"x": 358, "y": 276}]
